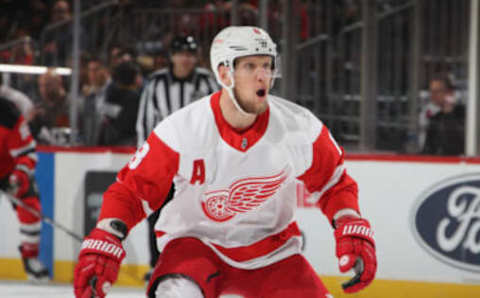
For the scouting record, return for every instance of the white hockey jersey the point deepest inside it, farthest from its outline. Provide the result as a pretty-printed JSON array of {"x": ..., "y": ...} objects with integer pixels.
[{"x": 235, "y": 191}]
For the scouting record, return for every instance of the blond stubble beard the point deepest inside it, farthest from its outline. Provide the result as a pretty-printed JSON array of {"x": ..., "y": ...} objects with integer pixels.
[{"x": 251, "y": 107}]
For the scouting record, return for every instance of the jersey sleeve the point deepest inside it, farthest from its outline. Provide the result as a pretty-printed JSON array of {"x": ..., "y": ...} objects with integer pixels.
[
  {"x": 143, "y": 184},
  {"x": 21, "y": 147},
  {"x": 327, "y": 179}
]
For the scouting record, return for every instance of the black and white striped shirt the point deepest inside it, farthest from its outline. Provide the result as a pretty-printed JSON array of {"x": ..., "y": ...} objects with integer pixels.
[{"x": 165, "y": 94}]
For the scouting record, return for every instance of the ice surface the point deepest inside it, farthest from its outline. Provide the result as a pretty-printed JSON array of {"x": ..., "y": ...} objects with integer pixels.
[
  {"x": 51, "y": 290},
  {"x": 16, "y": 289}
]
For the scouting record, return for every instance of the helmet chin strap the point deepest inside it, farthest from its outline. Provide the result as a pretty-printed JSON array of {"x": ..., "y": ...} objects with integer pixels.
[{"x": 232, "y": 95}]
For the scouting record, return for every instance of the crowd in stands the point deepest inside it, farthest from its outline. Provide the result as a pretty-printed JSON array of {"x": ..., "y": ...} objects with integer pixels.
[
  {"x": 116, "y": 76},
  {"x": 105, "y": 80}
]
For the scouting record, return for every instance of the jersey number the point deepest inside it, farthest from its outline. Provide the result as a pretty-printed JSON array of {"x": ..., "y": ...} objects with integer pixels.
[{"x": 139, "y": 155}]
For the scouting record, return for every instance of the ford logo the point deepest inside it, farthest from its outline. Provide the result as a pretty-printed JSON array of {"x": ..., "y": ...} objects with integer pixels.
[{"x": 445, "y": 221}]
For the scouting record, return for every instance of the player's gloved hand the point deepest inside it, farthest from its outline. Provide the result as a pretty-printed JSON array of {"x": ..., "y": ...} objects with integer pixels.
[
  {"x": 355, "y": 249},
  {"x": 19, "y": 183},
  {"x": 98, "y": 264}
]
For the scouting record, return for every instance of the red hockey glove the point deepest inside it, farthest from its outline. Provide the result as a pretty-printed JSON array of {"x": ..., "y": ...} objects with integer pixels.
[
  {"x": 355, "y": 249},
  {"x": 19, "y": 183},
  {"x": 98, "y": 264}
]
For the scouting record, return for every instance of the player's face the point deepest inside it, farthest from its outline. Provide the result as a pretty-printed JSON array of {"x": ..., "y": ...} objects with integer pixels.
[{"x": 253, "y": 76}]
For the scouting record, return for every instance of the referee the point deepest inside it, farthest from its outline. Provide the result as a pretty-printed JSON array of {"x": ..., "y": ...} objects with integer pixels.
[{"x": 168, "y": 90}]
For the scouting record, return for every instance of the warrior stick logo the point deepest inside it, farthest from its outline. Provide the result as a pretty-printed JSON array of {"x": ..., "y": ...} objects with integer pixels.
[
  {"x": 241, "y": 196},
  {"x": 446, "y": 221}
]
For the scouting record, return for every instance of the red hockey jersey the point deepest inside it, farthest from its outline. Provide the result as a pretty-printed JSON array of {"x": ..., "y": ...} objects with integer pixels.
[{"x": 17, "y": 147}]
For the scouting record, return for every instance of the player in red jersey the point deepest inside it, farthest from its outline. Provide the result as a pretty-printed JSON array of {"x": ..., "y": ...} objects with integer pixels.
[
  {"x": 235, "y": 158},
  {"x": 17, "y": 166}
]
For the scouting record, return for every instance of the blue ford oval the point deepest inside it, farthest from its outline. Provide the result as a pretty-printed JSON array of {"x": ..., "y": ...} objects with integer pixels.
[{"x": 446, "y": 221}]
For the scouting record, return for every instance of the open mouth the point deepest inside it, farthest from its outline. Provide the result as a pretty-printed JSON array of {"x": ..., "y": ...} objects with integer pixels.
[{"x": 261, "y": 92}]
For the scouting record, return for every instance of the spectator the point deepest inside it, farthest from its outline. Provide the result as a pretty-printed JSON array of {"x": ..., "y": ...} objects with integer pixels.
[
  {"x": 121, "y": 107},
  {"x": 51, "y": 111},
  {"x": 93, "y": 99},
  {"x": 58, "y": 41},
  {"x": 120, "y": 54},
  {"x": 446, "y": 130},
  {"x": 97, "y": 76}
]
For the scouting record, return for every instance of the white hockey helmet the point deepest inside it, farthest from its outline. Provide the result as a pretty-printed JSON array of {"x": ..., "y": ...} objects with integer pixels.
[{"x": 239, "y": 41}]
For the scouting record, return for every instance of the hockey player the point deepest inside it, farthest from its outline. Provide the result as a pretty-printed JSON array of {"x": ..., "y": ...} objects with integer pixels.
[
  {"x": 17, "y": 166},
  {"x": 235, "y": 158}
]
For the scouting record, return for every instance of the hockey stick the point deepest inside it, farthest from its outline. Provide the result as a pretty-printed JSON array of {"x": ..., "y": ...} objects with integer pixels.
[
  {"x": 43, "y": 217},
  {"x": 53, "y": 223}
]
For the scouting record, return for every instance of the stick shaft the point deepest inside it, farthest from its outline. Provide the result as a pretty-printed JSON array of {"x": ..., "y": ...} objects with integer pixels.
[{"x": 43, "y": 217}]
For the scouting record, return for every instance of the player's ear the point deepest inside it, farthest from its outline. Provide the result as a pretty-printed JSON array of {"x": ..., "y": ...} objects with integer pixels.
[{"x": 224, "y": 74}]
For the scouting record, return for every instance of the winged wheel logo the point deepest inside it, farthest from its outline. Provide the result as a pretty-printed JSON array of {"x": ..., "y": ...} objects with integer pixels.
[{"x": 242, "y": 196}]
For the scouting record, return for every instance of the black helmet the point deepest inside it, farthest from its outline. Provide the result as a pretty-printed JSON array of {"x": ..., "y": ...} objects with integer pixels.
[{"x": 183, "y": 43}]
